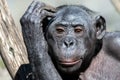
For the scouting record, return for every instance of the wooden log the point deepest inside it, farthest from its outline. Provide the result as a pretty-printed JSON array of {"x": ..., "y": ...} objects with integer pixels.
[
  {"x": 116, "y": 4},
  {"x": 12, "y": 48}
]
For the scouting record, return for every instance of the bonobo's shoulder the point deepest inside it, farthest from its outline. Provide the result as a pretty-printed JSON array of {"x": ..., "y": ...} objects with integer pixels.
[
  {"x": 111, "y": 36},
  {"x": 111, "y": 42}
]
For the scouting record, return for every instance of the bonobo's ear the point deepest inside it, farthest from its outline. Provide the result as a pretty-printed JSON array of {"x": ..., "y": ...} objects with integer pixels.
[
  {"x": 46, "y": 21},
  {"x": 48, "y": 12},
  {"x": 100, "y": 24}
]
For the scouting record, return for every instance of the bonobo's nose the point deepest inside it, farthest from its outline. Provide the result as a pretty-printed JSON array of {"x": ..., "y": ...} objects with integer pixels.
[{"x": 69, "y": 42}]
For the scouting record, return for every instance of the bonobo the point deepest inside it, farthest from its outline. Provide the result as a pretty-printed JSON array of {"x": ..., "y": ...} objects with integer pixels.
[{"x": 70, "y": 43}]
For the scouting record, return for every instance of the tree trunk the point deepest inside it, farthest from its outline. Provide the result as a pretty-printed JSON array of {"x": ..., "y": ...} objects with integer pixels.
[
  {"x": 116, "y": 4},
  {"x": 12, "y": 48}
]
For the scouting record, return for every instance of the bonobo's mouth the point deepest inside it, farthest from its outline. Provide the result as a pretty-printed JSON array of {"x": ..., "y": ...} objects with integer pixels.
[
  {"x": 69, "y": 66},
  {"x": 69, "y": 63}
]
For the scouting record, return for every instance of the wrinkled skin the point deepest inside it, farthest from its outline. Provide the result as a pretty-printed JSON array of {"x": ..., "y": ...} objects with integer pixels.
[
  {"x": 63, "y": 47},
  {"x": 69, "y": 38}
]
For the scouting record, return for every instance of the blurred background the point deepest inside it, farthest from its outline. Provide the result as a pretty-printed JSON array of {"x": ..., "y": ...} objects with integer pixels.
[{"x": 103, "y": 7}]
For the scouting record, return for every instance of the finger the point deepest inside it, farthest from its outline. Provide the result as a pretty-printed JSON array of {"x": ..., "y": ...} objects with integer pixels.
[
  {"x": 37, "y": 9},
  {"x": 32, "y": 6},
  {"x": 48, "y": 13},
  {"x": 45, "y": 13},
  {"x": 31, "y": 9},
  {"x": 49, "y": 8}
]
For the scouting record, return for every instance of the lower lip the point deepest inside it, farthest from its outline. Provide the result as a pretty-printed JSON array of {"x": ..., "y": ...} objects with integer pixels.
[{"x": 70, "y": 63}]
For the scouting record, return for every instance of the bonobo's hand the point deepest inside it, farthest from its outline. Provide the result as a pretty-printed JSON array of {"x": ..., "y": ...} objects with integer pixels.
[
  {"x": 36, "y": 45},
  {"x": 31, "y": 23}
]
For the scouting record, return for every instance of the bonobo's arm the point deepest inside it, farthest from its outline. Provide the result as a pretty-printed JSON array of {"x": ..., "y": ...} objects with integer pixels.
[
  {"x": 42, "y": 66},
  {"x": 112, "y": 44}
]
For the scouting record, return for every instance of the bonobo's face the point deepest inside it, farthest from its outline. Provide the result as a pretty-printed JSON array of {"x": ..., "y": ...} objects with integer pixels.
[{"x": 71, "y": 38}]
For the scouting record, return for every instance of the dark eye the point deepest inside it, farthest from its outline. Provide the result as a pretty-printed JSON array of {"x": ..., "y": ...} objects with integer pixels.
[
  {"x": 78, "y": 29},
  {"x": 60, "y": 30}
]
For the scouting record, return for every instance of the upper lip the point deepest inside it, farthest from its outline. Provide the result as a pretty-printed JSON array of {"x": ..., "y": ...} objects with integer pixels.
[{"x": 69, "y": 62}]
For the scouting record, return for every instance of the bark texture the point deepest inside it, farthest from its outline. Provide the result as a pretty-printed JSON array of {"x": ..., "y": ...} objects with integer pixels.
[
  {"x": 12, "y": 48},
  {"x": 116, "y": 4}
]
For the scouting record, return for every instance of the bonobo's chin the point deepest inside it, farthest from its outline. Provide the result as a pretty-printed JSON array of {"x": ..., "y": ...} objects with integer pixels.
[{"x": 70, "y": 67}]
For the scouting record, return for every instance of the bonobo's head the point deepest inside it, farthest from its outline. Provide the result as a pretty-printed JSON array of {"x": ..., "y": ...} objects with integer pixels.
[{"x": 72, "y": 35}]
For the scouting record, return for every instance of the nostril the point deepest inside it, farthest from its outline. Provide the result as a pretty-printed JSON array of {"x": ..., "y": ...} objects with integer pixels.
[
  {"x": 66, "y": 43},
  {"x": 69, "y": 43}
]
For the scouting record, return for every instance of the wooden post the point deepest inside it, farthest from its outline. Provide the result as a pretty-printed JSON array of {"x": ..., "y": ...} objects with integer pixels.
[
  {"x": 12, "y": 48},
  {"x": 116, "y": 4}
]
